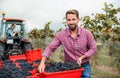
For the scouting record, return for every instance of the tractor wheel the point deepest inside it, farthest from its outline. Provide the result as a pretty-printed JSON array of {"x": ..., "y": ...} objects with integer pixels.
[
  {"x": 2, "y": 51},
  {"x": 1, "y": 46},
  {"x": 28, "y": 46}
]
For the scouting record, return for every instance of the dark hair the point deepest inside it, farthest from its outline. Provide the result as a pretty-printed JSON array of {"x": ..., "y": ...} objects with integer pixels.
[
  {"x": 12, "y": 24},
  {"x": 73, "y": 11}
]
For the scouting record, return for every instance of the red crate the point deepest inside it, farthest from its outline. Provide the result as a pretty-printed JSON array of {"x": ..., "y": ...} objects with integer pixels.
[
  {"x": 63, "y": 74},
  {"x": 34, "y": 71},
  {"x": 17, "y": 57},
  {"x": 33, "y": 76},
  {"x": 37, "y": 75},
  {"x": 34, "y": 55},
  {"x": 0, "y": 64}
]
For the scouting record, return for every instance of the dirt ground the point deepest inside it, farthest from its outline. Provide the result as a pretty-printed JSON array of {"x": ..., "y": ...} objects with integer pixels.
[{"x": 109, "y": 70}]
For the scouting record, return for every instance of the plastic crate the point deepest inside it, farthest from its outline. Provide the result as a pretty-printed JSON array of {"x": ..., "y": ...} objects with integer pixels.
[
  {"x": 0, "y": 64},
  {"x": 63, "y": 74},
  {"x": 34, "y": 55},
  {"x": 17, "y": 57},
  {"x": 37, "y": 75},
  {"x": 33, "y": 71},
  {"x": 33, "y": 76}
]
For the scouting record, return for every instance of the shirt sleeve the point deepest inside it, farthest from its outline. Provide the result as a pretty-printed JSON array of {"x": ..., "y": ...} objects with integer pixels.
[
  {"x": 52, "y": 46},
  {"x": 91, "y": 44},
  {"x": 11, "y": 33}
]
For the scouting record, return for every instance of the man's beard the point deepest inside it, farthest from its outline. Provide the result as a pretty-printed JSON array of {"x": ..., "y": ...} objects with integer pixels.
[{"x": 72, "y": 27}]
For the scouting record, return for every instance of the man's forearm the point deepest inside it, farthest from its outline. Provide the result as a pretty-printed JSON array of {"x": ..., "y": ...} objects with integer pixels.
[
  {"x": 43, "y": 59},
  {"x": 83, "y": 56}
]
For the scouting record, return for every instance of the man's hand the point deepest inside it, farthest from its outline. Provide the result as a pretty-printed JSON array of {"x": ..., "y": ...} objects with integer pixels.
[
  {"x": 41, "y": 67},
  {"x": 79, "y": 60}
]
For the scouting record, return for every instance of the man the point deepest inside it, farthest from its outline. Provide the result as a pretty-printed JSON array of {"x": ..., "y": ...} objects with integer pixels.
[
  {"x": 78, "y": 44},
  {"x": 10, "y": 31}
]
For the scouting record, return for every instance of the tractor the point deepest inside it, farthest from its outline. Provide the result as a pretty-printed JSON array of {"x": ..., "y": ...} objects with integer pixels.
[{"x": 17, "y": 44}]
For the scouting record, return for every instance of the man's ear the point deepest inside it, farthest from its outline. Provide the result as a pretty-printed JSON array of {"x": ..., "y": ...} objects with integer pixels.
[{"x": 78, "y": 19}]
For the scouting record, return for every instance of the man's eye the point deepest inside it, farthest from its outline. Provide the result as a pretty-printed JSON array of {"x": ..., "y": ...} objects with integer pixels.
[
  {"x": 73, "y": 19},
  {"x": 68, "y": 19}
]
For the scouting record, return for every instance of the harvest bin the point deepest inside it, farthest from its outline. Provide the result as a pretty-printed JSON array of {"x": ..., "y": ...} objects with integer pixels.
[
  {"x": 31, "y": 55},
  {"x": 34, "y": 76},
  {"x": 63, "y": 74},
  {"x": 17, "y": 57},
  {"x": 0, "y": 64},
  {"x": 34, "y": 55}
]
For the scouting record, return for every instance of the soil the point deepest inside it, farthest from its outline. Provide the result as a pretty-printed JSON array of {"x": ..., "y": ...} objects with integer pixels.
[{"x": 108, "y": 70}]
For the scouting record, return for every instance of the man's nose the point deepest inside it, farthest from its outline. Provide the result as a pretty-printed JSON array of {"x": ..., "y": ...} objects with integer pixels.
[{"x": 71, "y": 22}]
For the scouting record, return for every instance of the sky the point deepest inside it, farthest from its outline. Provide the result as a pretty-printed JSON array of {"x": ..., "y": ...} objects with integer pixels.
[{"x": 38, "y": 12}]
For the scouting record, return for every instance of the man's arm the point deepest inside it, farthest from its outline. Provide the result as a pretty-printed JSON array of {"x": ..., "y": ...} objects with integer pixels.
[
  {"x": 11, "y": 33},
  {"x": 91, "y": 48},
  {"x": 41, "y": 67},
  {"x": 91, "y": 45},
  {"x": 50, "y": 48}
]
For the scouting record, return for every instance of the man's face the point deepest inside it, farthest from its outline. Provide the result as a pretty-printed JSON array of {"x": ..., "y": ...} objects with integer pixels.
[
  {"x": 13, "y": 26},
  {"x": 72, "y": 21}
]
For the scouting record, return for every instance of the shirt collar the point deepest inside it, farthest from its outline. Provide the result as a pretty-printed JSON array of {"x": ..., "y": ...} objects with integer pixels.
[{"x": 68, "y": 32}]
